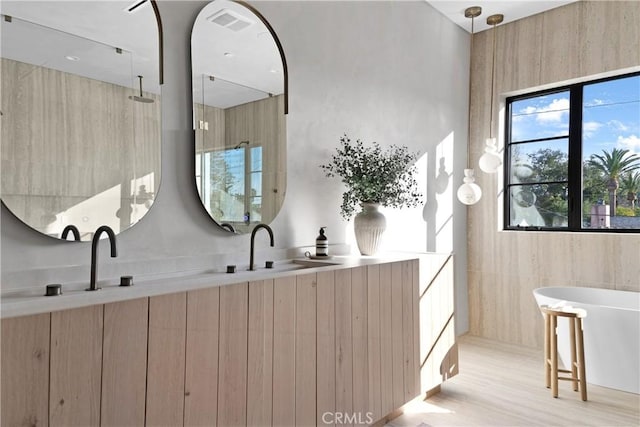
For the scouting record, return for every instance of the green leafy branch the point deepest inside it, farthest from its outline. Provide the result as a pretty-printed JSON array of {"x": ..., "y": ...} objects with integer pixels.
[{"x": 373, "y": 175}]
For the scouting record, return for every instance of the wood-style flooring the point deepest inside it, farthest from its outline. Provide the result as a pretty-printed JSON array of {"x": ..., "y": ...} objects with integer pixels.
[{"x": 503, "y": 385}]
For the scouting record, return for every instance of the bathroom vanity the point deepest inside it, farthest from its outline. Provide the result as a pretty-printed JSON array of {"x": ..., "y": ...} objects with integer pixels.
[{"x": 297, "y": 345}]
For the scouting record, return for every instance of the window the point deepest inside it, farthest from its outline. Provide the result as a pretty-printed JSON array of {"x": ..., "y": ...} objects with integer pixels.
[
  {"x": 231, "y": 183},
  {"x": 573, "y": 157}
]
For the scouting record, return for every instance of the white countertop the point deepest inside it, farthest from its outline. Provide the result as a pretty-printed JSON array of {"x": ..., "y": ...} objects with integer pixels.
[{"x": 30, "y": 301}]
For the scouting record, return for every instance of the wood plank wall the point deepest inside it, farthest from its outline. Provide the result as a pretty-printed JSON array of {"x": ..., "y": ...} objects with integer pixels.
[{"x": 577, "y": 40}]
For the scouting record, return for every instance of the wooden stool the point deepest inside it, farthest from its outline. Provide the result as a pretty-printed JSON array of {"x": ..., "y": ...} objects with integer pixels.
[{"x": 575, "y": 316}]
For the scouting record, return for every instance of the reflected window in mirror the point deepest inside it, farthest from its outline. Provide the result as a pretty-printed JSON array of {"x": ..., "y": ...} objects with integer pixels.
[
  {"x": 240, "y": 99},
  {"x": 231, "y": 185},
  {"x": 81, "y": 114}
]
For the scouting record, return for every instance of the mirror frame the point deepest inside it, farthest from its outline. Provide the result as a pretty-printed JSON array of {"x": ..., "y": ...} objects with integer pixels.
[{"x": 156, "y": 12}]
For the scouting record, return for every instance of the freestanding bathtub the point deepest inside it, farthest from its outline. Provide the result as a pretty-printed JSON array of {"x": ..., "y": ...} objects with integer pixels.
[{"x": 611, "y": 333}]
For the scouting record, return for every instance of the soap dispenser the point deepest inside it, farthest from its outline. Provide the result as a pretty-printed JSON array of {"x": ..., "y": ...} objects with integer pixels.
[{"x": 322, "y": 244}]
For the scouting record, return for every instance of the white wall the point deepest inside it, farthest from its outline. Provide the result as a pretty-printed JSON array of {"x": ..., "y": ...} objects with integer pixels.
[{"x": 394, "y": 72}]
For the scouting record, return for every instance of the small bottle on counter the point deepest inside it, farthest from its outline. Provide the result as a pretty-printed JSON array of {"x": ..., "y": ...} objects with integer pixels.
[{"x": 322, "y": 244}]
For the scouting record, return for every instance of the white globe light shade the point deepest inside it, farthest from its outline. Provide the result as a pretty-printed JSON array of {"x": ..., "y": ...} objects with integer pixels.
[
  {"x": 490, "y": 161},
  {"x": 469, "y": 193},
  {"x": 522, "y": 170}
]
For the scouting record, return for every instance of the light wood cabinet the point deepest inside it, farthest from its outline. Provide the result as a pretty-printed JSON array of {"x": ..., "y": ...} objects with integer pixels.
[
  {"x": 76, "y": 367},
  {"x": 333, "y": 347},
  {"x": 409, "y": 327},
  {"x": 260, "y": 358},
  {"x": 165, "y": 367},
  {"x": 305, "y": 337},
  {"x": 374, "y": 343},
  {"x": 359, "y": 337},
  {"x": 343, "y": 353},
  {"x": 25, "y": 371},
  {"x": 326, "y": 346},
  {"x": 367, "y": 363},
  {"x": 386, "y": 340},
  {"x": 232, "y": 355},
  {"x": 124, "y": 363},
  {"x": 201, "y": 367},
  {"x": 284, "y": 351},
  {"x": 397, "y": 357}
]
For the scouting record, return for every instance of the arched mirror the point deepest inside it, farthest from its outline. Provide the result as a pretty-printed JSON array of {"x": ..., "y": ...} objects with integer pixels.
[
  {"x": 80, "y": 113},
  {"x": 240, "y": 101}
]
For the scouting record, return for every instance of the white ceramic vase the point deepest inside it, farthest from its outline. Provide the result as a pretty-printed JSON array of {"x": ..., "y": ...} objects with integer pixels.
[{"x": 369, "y": 225}]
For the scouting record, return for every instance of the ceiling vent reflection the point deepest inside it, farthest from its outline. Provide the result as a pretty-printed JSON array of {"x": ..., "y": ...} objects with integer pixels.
[{"x": 229, "y": 19}]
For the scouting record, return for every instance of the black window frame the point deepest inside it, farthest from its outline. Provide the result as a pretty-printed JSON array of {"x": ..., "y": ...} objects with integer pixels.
[{"x": 574, "y": 170}]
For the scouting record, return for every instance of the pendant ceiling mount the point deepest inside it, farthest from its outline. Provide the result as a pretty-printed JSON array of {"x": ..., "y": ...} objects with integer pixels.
[
  {"x": 472, "y": 12},
  {"x": 494, "y": 19}
]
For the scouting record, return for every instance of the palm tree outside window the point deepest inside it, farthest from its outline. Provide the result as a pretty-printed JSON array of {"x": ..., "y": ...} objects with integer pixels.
[
  {"x": 613, "y": 166},
  {"x": 630, "y": 187}
]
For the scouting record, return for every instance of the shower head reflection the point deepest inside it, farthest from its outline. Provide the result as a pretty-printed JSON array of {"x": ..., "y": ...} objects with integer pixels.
[{"x": 140, "y": 97}]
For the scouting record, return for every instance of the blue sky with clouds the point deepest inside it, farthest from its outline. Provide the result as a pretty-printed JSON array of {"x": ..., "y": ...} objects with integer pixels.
[{"x": 611, "y": 117}]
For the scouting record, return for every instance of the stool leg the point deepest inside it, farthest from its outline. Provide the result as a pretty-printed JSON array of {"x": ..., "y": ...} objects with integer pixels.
[
  {"x": 554, "y": 356},
  {"x": 574, "y": 361},
  {"x": 547, "y": 353},
  {"x": 583, "y": 376}
]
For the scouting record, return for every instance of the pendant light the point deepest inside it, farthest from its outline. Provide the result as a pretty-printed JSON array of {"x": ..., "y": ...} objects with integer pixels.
[
  {"x": 469, "y": 193},
  {"x": 491, "y": 161}
]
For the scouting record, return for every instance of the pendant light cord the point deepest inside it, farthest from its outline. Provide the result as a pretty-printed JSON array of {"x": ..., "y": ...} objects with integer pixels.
[
  {"x": 469, "y": 100},
  {"x": 493, "y": 72},
  {"x": 493, "y": 20}
]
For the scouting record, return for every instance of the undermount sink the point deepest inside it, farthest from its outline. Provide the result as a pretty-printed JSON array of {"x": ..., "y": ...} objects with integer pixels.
[
  {"x": 299, "y": 264},
  {"x": 310, "y": 263}
]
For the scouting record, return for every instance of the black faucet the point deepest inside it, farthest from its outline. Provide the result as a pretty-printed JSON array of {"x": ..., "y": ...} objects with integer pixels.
[
  {"x": 73, "y": 229},
  {"x": 253, "y": 235},
  {"x": 94, "y": 253}
]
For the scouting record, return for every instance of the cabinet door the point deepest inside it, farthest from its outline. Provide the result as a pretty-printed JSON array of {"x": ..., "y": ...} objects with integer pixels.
[
  {"x": 165, "y": 368},
  {"x": 305, "y": 402},
  {"x": 359, "y": 343},
  {"x": 326, "y": 348},
  {"x": 232, "y": 365},
  {"x": 260, "y": 357},
  {"x": 124, "y": 364},
  {"x": 397, "y": 336},
  {"x": 201, "y": 371},
  {"x": 410, "y": 364},
  {"x": 374, "y": 343},
  {"x": 386, "y": 340},
  {"x": 76, "y": 365},
  {"x": 284, "y": 351},
  {"x": 344, "y": 343},
  {"x": 415, "y": 270},
  {"x": 25, "y": 371}
]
